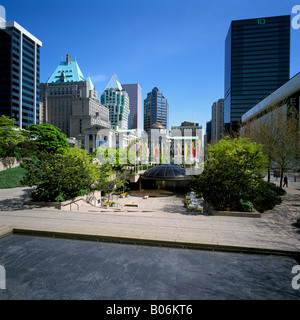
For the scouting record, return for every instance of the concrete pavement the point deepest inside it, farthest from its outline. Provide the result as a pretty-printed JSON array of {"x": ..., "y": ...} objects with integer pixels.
[{"x": 159, "y": 221}]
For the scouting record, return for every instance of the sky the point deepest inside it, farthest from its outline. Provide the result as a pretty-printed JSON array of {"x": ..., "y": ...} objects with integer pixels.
[{"x": 177, "y": 46}]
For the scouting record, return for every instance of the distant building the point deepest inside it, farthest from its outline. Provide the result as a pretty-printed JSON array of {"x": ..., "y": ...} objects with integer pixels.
[
  {"x": 257, "y": 62},
  {"x": 116, "y": 100},
  {"x": 20, "y": 73},
  {"x": 287, "y": 95},
  {"x": 208, "y": 132},
  {"x": 158, "y": 142},
  {"x": 135, "y": 106},
  {"x": 156, "y": 109},
  {"x": 217, "y": 120},
  {"x": 70, "y": 101},
  {"x": 186, "y": 143}
]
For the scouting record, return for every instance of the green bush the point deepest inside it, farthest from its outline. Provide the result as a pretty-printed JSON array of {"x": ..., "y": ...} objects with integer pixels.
[
  {"x": 266, "y": 196},
  {"x": 276, "y": 189},
  {"x": 231, "y": 174},
  {"x": 245, "y": 206},
  {"x": 60, "y": 177}
]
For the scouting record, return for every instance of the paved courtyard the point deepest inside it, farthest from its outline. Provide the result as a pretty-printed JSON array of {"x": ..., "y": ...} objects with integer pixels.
[
  {"x": 50, "y": 268},
  {"x": 159, "y": 259}
]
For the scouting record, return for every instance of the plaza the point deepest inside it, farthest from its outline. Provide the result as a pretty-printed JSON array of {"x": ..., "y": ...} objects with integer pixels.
[{"x": 157, "y": 250}]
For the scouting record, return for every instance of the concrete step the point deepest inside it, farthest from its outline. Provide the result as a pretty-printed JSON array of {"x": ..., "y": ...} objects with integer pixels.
[{"x": 5, "y": 229}]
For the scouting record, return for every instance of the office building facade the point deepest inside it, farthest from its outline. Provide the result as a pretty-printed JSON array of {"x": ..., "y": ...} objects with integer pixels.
[
  {"x": 135, "y": 106},
  {"x": 217, "y": 120},
  {"x": 20, "y": 73},
  {"x": 116, "y": 100},
  {"x": 156, "y": 109},
  {"x": 257, "y": 62}
]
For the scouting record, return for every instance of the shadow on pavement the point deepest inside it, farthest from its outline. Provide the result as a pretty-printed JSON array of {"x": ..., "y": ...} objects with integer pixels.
[{"x": 16, "y": 203}]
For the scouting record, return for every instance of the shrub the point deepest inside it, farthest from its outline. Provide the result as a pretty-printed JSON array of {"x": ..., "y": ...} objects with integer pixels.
[
  {"x": 266, "y": 196},
  {"x": 245, "y": 206},
  {"x": 60, "y": 177},
  {"x": 231, "y": 174}
]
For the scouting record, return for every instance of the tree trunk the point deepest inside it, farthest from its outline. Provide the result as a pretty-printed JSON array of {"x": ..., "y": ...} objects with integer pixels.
[
  {"x": 269, "y": 170},
  {"x": 281, "y": 177}
]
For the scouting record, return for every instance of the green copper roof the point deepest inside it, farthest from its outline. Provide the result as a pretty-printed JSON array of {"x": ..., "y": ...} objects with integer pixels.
[
  {"x": 89, "y": 80},
  {"x": 114, "y": 83},
  {"x": 70, "y": 70}
]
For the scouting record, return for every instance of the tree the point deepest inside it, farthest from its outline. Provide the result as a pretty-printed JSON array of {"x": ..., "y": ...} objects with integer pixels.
[
  {"x": 231, "y": 174},
  {"x": 278, "y": 132},
  {"x": 10, "y": 139},
  {"x": 60, "y": 177},
  {"x": 48, "y": 138}
]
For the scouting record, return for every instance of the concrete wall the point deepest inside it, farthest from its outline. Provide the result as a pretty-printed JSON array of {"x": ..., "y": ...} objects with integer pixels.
[{"x": 4, "y": 168}]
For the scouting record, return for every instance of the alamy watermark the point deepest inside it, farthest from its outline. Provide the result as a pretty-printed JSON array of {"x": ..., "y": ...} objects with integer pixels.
[
  {"x": 296, "y": 18},
  {"x": 296, "y": 278},
  {"x": 2, "y": 278}
]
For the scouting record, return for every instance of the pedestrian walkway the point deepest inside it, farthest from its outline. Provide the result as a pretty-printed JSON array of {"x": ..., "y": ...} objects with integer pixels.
[{"x": 164, "y": 223}]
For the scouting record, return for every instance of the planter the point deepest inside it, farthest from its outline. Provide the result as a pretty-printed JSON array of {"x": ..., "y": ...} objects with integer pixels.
[{"x": 207, "y": 208}]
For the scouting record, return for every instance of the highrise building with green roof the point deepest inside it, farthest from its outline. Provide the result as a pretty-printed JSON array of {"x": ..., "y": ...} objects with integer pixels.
[{"x": 70, "y": 102}]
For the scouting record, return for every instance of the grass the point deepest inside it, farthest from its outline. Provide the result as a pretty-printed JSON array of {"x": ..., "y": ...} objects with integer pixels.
[{"x": 10, "y": 178}]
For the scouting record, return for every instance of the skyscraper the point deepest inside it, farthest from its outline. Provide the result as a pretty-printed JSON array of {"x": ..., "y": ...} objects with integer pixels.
[
  {"x": 217, "y": 120},
  {"x": 70, "y": 101},
  {"x": 20, "y": 73},
  {"x": 257, "y": 62},
  {"x": 116, "y": 99},
  {"x": 135, "y": 105},
  {"x": 156, "y": 109}
]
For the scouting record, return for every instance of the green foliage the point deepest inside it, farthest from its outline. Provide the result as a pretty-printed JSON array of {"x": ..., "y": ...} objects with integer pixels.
[
  {"x": 48, "y": 138},
  {"x": 232, "y": 172},
  {"x": 115, "y": 156},
  {"x": 60, "y": 177},
  {"x": 10, "y": 137},
  {"x": 266, "y": 196},
  {"x": 245, "y": 206},
  {"x": 11, "y": 178}
]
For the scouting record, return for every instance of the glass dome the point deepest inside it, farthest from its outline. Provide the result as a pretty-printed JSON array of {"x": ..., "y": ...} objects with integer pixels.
[{"x": 165, "y": 172}]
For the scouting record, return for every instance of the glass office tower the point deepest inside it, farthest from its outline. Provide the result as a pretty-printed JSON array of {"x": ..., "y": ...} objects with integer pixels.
[
  {"x": 20, "y": 73},
  {"x": 257, "y": 62},
  {"x": 156, "y": 109},
  {"x": 116, "y": 99}
]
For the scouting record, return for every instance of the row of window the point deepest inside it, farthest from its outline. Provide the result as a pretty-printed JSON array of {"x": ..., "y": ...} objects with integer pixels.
[{"x": 260, "y": 39}]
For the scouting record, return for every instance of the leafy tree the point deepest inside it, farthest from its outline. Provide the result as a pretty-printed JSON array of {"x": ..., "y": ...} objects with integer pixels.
[
  {"x": 48, "y": 138},
  {"x": 59, "y": 177},
  {"x": 278, "y": 132},
  {"x": 231, "y": 174},
  {"x": 117, "y": 157},
  {"x": 10, "y": 139}
]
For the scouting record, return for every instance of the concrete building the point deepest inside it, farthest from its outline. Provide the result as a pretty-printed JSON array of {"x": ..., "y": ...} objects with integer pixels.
[
  {"x": 186, "y": 143},
  {"x": 20, "y": 73},
  {"x": 257, "y": 62},
  {"x": 217, "y": 120},
  {"x": 156, "y": 109},
  {"x": 158, "y": 142},
  {"x": 116, "y": 100},
  {"x": 287, "y": 94},
  {"x": 70, "y": 101},
  {"x": 135, "y": 106}
]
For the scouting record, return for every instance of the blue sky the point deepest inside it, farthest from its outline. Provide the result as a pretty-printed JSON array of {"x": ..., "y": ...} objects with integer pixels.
[{"x": 177, "y": 46}]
